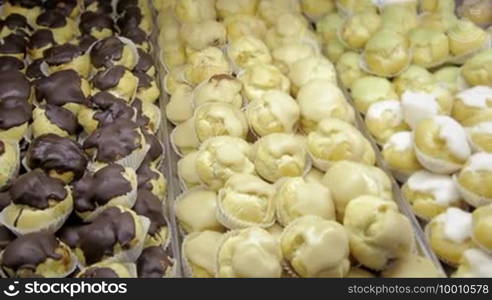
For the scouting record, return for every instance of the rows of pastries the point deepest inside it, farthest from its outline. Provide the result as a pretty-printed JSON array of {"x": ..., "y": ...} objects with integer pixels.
[
  {"x": 81, "y": 188},
  {"x": 278, "y": 177}
]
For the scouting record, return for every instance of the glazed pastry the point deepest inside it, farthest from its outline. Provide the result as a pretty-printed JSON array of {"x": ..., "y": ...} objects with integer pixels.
[
  {"x": 477, "y": 70},
  {"x": 199, "y": 251},
  {"x": 113, "y": 51},
  {"x": 441, "y": 144},
  {"x": 202, "y": 65},
  {"x": 370, "y": 89},
  {"x": 198, "y": 36},
  {"x": 474, "y": 179},
  {"x": 98, "y": 25},
  {"x": 319, "y": 100},
  {"x": 431, "y": 194},
  {"x": 400, "y": 155},
  {"x": 449, "y": 235},
  {"x": 335, "y": 140},
  {"x": 249, "y": 253},
  {"x": 38, "y": 255},
  {"x": 259, "y": 79},
  {"x": 297, "y": 197},
  {"x": 473, "y": 106},
  {"x": 430, "y": 47},
  {"x": 221, "y": 157},
  {"x": 280, "y": 155},
  {"x": 40, "y": 41},
  {"x": 6, "y": 237},
  {"x": 59, "y": 157},
  {"x": 348, "y": 180},
  {"x": 116, "y": 235},
  {"x": 384, "y": 119},
  {"x": 154, "y": 262},
  {"x": 110, "y": 186},
  {"x": 219, "y": 88},
  {"x": 480, "y": 136},
  {"x": 9, "y": 162},
  {"x": 152, "y": 180},
  {"x": 451, "y": 78},
  {"x": 246, "y": 201},
  {"x": 378, "y": 232},
  {"x": 39, "y": 203},
  {"x": 309, "y": 69},
  {"x": 414, "y": 79},
  {"x": 116, "y": 80},
  {"x": 187, "y": 171},
  {"x": 274, "y": 112},
  {"x": 148, "y": 205},
  {"x": 66, "y": 57},
  {"x": 411, "y": 266},
  {"x": 247, "y": 51},
  {"x": 314, "y": 247},
  {"x": 286, "y": 56},
  {"x": 54, "y": 119},
  {"x": 348, "y": 69},
  {"x": 109, "y": 270},
  {"x": 63, "y": 29},
  {"x": 147, "y": 89},
  {"x": 481, "y": 222},
  {"x": 465, "y": 37},
  {"x": 8, "y": 63},
  {"x": 358, "y": 29},
  {"x": 475, "y": 263},
  {"x": 195, "y": 210}
]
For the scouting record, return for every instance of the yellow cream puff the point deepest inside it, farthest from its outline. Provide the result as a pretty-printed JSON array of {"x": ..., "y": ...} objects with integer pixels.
[
  {"x": 477, "y": 70},
  {"x": 482, "y": 224},
  {"x": 258, "y": 79},
  {"x": 474, "y": 179},
  {"x": 399, "y": 155},
  {"x": 219, "y": 88},
  {"x": 385, "y": 119},
  {"x": 370, "y": 89},
  {"x": 199, "y": 251},
  {"x": 473, "y": 106}
]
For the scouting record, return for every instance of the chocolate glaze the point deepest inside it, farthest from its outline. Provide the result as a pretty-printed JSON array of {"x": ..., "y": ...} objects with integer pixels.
[
  {"x": 33, "y": 71},
  {"x": 63, "y": 118},
  {"x": 62, "y": 54},
  {"x": 137, "y": 35},
  {"x": 132, "y": 17},
  {"x": 144, "y": 175},
  {"x": 148, "y": 205},
  {"x": 52, "y": 152},
  {"x": 60, "y": 88},
  {"x": 106, "y": 51},
  {"x": 36, "y": 189},
  {"x": 30, "y": 250},
  {"x": 13, "y": 84},
  {"x": 64, "y": 7},
  {"x": 144, "y": 80},
  {"x": 41, "y": 38},
  {"x": 86, "y": 41},
  {"x": 153, "y": 263},
  {"x": 156, "y": 151},
  {"x": 99, "y": 273},
  {"x": 92, "y": 20},
  {"x": 5, "y": 237},
  {"x": 142, "y": 120},
  {"x": 14, "y": 112},
  {"x": 51, "y": 19},
  {"x": 98, "y": 189},
  {"x": 125, "y": 4},
  {"x": 2, "y": 147},
  {"x": 103, "y": 6},
  {"x": 5, "y": 200},
  {"x": 108, "y": 78},
  {"x": 145, "y": 61},
  {"x": 114, "y": 141},
  {"x": 16, "y": 22},
  {"x": 112, "y": 108},
  {"x": 13, "y": 44},
  {"x": 24, "y": 3},
  {"x": 98, "y": 238},
  {"x": 9, "y": 63}
]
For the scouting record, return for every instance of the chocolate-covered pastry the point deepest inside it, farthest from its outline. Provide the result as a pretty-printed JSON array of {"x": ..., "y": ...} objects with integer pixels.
[
  {"x": 156, "y": 152},
  {"x": 132, "y": 17},
  {"x": 151, "y": 179},
  {"x": 15, "y": 115},
  {"x": 98, "y": 6},
  {"x": 16, "y": 23},
  {"x": 124, "y": 5},
  {"x": 39, "y": 41},
  {"x": 5, "y": 237},
  {"x": 9, "y": 63},
  {"x": 9, "y": 162},
  {"x": 148, "y": 205},
  {"x": 98, "y": 273},
  {"x": 28, "y": 8},
  {"x": 118, "y": 81},
  {"x": 112, "y": 51},
  {"x": 67, "y": 56},
  {"x": 147, "y": 87},
  {"x": 68, "y": 8},
  {"x": 63, "y": 28},
  {"x": 13, "y": 45},
  {"x": 96, "y": 24},
  {"x": 5, "y": 199},
  {"x": 154, "y": 262},
  {"x": 14, "y": 85},
  {"x": 33, "y": 71},
  {"x": 54, "y": 119},
  {"x": 60, "y": 157},
  {"x": 51, "y": 19},
  {"x": 145, "y": 63},
  {"x": 85, "y": 41},
  {"x": 109, "y": 270},
  {"x": 136, "y": 35}
]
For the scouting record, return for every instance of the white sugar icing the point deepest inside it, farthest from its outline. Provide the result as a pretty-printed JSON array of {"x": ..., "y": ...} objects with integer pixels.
[
  {"x": 400, "y": 141},
  {"x": 417, "y": 106},
  {"x": 441, "y": 187},
  {"x": 454, "y": 135},
  {"x": 485, "y": 127},
  {"x": 477, "y": 96},
  {"x": 481, "y": 161},
  {"x": 377, "y": 109},
  {"x": 457, "y": 224},
  {"x": 480, "y": 263}
]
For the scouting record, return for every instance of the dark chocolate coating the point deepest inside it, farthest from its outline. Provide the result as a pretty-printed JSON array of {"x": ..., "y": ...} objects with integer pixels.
[
  {"x": 153, "y": 263},
  {"x": 5, "y": 237},
  {"x": 36, "y": 189},
  {"x": 137, "y": 35},
  {"x": 41, "y": 38},
  {"x": 99, "y": 273},
  {"x": 16, "y": 22},
  {"x": 34, "y": 70},
  {"x": 92, "y": 20},
  {"x": 5, "y": 200},
  {"x": 51, "y": 19},
  {"x": 2, "y": 147},
  {"x": 63, "y": 118},
  {"x": 109, "y": 78},
  {"x": 142, "y": 120},
  {"x": 132, "y": 17},
  {"x": 14, "y": 112},
  {"x": 145, "y": 61},
  {"x": 64, "y": 7},
  {"x": 30, "y": 250},
  {"x": 86, "y": 41},
  {"x": 52, "y": 152},
  {"x": 98, "y": 238},
  {"x": 14, "y": 84},
  {"x": 25, "y": 3},
  {"x": 62, "y": 54},
  {"x": 148, "y": 205},
  {"x": 98, "y": 189},
  {"x": 106, "y": 51},
  {"x": 60, "y": 88},
  {"x": 156, "y": 151},
  {"x": 9, "y": 63},
  {"x": 112, "y": 108},
  {"x": 13, "y": 44},
  {"x": 145, "y": 174},
  {"x": 103, "y": 6},
  {"x": 144, "y": 80},
  {"x": 125, "y": 4}
]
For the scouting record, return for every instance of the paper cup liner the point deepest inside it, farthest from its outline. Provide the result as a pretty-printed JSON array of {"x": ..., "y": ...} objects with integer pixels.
[
  {"x": 436, "y": 165},
  {"x": 471, "y": 198},
  {"x": 364, "y": 67},
  {"x": 135, "y": 159}
]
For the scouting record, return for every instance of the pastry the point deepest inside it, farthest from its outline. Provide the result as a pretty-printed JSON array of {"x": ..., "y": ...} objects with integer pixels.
[
  {"x": 147, "y": 89},
  {"x": 180, "y": 106},
  {"x": 310, "y": 69},
  {"x": 226, "y": 8},
  {"x": 219, "y": 88},
  {"x": 40, "y": 41},
  {"x": 358, "y": 29},
  {"x": 430, "y": 47},
  {"x": 414, "y": 79},
  {"x": 9, "y": 162},
  {"x": 315, "y": 10},
  {"x": 187, "y": 171},
  {"x": 481, "y": 224},
  {"x": 480, "y": 136},
  {"x": 370, "y": 89},
  {"x": 150, "y": 206},
  {"x": 271, "y": 10},
  {"x": 66, "y": 57},
  {"x": 54, "y": 119},
  {"x": 152, "y": 180},
  {"x": 399, "y": 154},
  {"x": 465, "y": 37},
  {"x": 63, "y": 29},
  {"x": 412, "y": 266},
  {"x": 247, "y": 51},
  {"x": 117, "y": 80},
  {"x": 198, "y": 36},
  {"x": 96, "y": 24},
  {"x": 154, "y": 262},
  {"x": 474, "y": 178},
  {"x": 203, "y": 64},
  {"x": 384, "y": 119},
  {"x": 473, "y": 106},
  {"x": 259, "y": 79},
  {"x": 451, "y": 78},
  {"x": 286, "y": 56},
  {"x": 241, "y": 25},
  {"x": 189, "y": 11},
  {"x": 15, "y": 115},
  {"x": 477, "y": 70},
  {"x": 109, "y": 270},
  {"x": 349, "y": 69},
  {"x": 199, "y": 251},
  {"x": 475, "y": 263},
  {"x": 113, "y": 51}
]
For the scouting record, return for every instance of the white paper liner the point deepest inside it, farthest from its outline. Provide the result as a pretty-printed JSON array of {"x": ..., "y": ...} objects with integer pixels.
[
  {"x": 470, "y": 197},
  {"x": 436, "y": 165}
]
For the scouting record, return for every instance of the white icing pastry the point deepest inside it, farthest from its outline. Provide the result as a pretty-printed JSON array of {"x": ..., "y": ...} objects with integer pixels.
[
  {"x": 479, "y": 162},
  {"x": 400, "y": 141},
  {"x": 417, "y": 106},
  {"x": 457, "y": 224},
  {"x": 477, "y": 96},
  {"x": 442, "y": 187},
  {"x": 454, "y": 135},
  {"x": 376, "y": 110},
  {"x": 480, "y": 263}
]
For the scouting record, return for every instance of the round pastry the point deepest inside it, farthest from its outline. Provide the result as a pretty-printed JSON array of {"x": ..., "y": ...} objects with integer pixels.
[
  {"x": 482, "y": 223},
  {"x": 149, "y": 206},
  {"x": 54, "y": 119},
  {"x": 173, "y": 56},
  {"x": 187, "y": 171},
  {"x": 109, "y": 270},
  {"x": 370, "y": 89},
  {"x": 110, "y": 186},
  {"x": 419, "y": 106},
  {"x": 328, "y": 27},
  {"x": 37, "y": 255},
  {"x": 351, "y": 6},
  {"x": 152, "y": 180},
  {"x": 219, "y": 88},
  {"x": 135, "y": 18},
  {"x": 241, "y": 25},
  {"x": 198, "y": 36},
  {"x": 199, "y": 251},
  {"x": 147, "y": 89},
  {"x": 478, "y": 11},
  {"x": 271, "y": 10},
  {"x": 399, "y": 155},
  {"x": 15, "y": 23},
  {"x": 245, "y": 201},
  {"x": 14, "y": 45},
  {"x": 438, "y": 6},
  {"x": 442, "y": 21},
  {"x": 384, "y": 119},
  {"x": 431, "y": 194},
  {"x": 312, "y": 68},
  {"x": 477, "y": 70},
  {"x": 412, "y": 266},
  {"x": 450, "y": 77},
  {"x": 98, "y": 25},
  {"x": 414, "y": 79},
  {"x": 154, "y": 262},
  {"x": 286, "y": 56},
  {"x": 114, "y": 51},
  {"x": 59, "y": 157},
  {"x": 473, "y": 106},
  {"x": 226, "y": 8},
  {"x": 430, "y": 47},
  {"x": 247, "y": 51},
  {"x": 67, "y": 57},
  {"x": 474, "y": 179},
  {"x": 99, "y": 6},
  {"x": 258, "y": 79},
  {"x": 274, "y": 112},
  {"x": 321, "y": 99},
  {"x": 8, "y": 63},
  {"x": 155, "y": 155},
  {"x": 121, "y": 142},
  {"x": 349, "y": 69},
  {"x": 280, "y": 155},
  {"x": 336, "y": 140},
  {"x": 314, "y": 247},
  {"x": 195, "y": 211},
  {"x": 40, "y": 41},
  {"x": 475, "y": 263},
  {"x": 290, "y": 28},
  {"x": 378, "y": 232},
  {"x": 348, "y": 180},
  {"x": 480, "y": 137},
  {"x": 14, "y": 85},
  {"x": 69, "y": 8},
  {"x": 314, "y": 176},
  {"x": 184, "y": 139},
  {"x": 441, "y": 144},
  {"x": 249, "y": 253},
  {"x": 315, "y": 10},
  {"x": 358, "y": 29},
  {"x": 116, "y": 80},
  {"x": 146, "y": 63},
  {"x": 466, "y": 37},
  {"x": 180, "y": 106},
  {"x": 9, "y": 162},
  {"x": 449, "y": 235},
  {"x": 63, "y": 29},
  {"x": 203, "y": 64},
  {"x": 39, "y": 203},
  {"x": 195, "y": 11},
  {"x": 393, "y": 12},
  {"x": 137, "y": 36},
  {"x": 387, "y": 53},
  {"x": 15, "y": 115},
  {"x": 116, "y": 235},
  {"x": 297, "y": 197}
]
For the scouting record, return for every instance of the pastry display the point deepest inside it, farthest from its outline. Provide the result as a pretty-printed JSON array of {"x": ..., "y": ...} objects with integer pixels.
[
  {"x": 199, "y": 252},
  {"x": 398, "y": 152}
]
